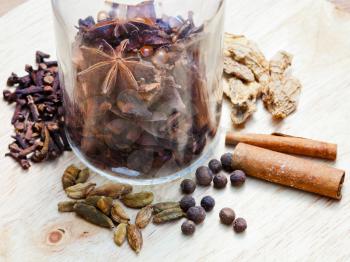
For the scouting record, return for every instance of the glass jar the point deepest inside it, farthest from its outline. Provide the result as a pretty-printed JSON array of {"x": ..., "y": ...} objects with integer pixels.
[{"x": 142, "y": 84}]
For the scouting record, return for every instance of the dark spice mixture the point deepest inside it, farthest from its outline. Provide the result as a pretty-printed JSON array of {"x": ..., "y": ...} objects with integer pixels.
[{"x": 141, "y": 97}]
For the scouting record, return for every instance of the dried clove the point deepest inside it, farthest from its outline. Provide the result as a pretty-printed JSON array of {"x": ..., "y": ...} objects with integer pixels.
[
  {"x": 23, "y": 162},
  {"x": 37, "y": 106}
]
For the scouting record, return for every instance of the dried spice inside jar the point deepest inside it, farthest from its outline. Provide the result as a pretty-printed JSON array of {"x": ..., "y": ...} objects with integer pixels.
[{"x": 141, "y": 97}]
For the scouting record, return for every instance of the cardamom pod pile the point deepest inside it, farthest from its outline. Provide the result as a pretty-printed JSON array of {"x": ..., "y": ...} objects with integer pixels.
[{"x": 103, "y": 206}]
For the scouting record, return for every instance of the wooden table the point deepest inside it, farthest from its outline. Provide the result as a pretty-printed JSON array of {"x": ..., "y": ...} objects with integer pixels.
[{"x": 284, "y": 224}]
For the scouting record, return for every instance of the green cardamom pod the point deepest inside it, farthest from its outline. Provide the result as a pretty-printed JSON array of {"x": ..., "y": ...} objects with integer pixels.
[
  {"x": 66, "y": 206},
  {"x": 168, "y": 215},
  {"x": 120, "y": 234},
  {"x": 159, "y": 207},
  {"x": 80, "y": 191},
  {"x": 144, "y": 216},
  {"x": 69, "y": 176},
  {"x": 113, "y": 190},
  {"x": 83, "y": 176},
  {"x": 92, "y": 200},
  {"x": 134, "y": 237},
  {"x": 118, "y": 214},
  {"x": 138, "y": 200},
  {"x": 105, "y": 205},
  {"x": 92, "y": 215}
]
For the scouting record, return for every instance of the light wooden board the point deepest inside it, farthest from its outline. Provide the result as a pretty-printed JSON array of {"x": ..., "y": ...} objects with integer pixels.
[
  {"x": 6, "y": 5},
  {"x": 284, "y": 224}
]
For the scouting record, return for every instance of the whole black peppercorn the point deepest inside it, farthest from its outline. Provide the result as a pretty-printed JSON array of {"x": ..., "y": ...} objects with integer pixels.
[
  {"x": 196, "y": 214},
  {"x": 226, "y": 162},
  {"x": 187, "y": 202},
  {"x": 188, "y": 227},
  {"x": 208, "y": 203},
  {"x": 227, "y": 216},
  {"x": 215, "y": 166},
  {"x": 237, "y": 178},
  {"x": 220, "y": 181},
  {"x": 239, "y": 225},
  {"x": 204, "y": 176},
  {"x": 188, "y": 186}
]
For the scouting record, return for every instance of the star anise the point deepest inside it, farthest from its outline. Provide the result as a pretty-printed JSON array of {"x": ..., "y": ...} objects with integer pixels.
[{"x": 108, "y": 69}]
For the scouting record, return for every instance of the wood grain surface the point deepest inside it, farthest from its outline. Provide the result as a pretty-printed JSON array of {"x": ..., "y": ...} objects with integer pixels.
[
  {"x": 283, "y": 224},
  {"x": 6, "y": 5}
]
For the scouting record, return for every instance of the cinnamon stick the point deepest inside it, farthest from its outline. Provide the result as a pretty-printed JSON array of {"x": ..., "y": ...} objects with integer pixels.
[
  {"x": 288, "y": 170},
  {"x": 286, "y": 144}
]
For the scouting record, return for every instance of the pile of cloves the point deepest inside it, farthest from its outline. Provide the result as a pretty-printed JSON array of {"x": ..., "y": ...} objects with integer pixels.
[{"x": 38, "y": 118}]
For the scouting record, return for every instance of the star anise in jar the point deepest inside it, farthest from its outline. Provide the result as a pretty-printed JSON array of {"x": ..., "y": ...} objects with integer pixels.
[{"x": 109, "y": 69}]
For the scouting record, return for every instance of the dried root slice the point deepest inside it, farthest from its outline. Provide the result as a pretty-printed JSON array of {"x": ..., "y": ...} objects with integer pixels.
[
  {"x": 282, "y": 94},
  {"x": 231, "y": 67},
  {"x": 243, "y": 98},
  {"x": 279, "y": 64},
  {"x": 253, "y": 75},
  {"x": 281, "y": 98},
  {"x": 247, "y": 53}
]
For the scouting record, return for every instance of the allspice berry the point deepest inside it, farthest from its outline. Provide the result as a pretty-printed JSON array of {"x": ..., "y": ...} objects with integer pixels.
[
  {"x": 188, "y": 227},
  {"x": 196, "y": 214},
  {"x": 227, "y": 216},
  {"x": 240, "y": 225},
  {"x": 220, "y": 181},
  {"x": 237, "y": 178},
  {"x": 208, "y": 203},
  {"x": 187, "y": 202},
  {"x": 188, "y": 186},
  {"x": 215, "y": 166},
  {"x": 204, "y": 176},
  {"x": 226, "y": 162}
]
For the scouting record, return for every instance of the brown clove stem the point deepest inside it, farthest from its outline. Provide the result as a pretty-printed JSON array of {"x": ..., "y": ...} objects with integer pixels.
[{"x": 33, "y": 108}]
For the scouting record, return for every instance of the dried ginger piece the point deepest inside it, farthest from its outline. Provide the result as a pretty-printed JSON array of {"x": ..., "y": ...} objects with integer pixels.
[
  {"x": 243, "y": 98},
  {"x": 280, "y": 91},
  {"x": 231, "y": 67},
  {"x": 279, "y": 64},
  {"x": 250, "y": 73},
  {"x": 281, "y": 98},
  {"x": 247, "y": 53},
  {"x": 281, "y": 95}
]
